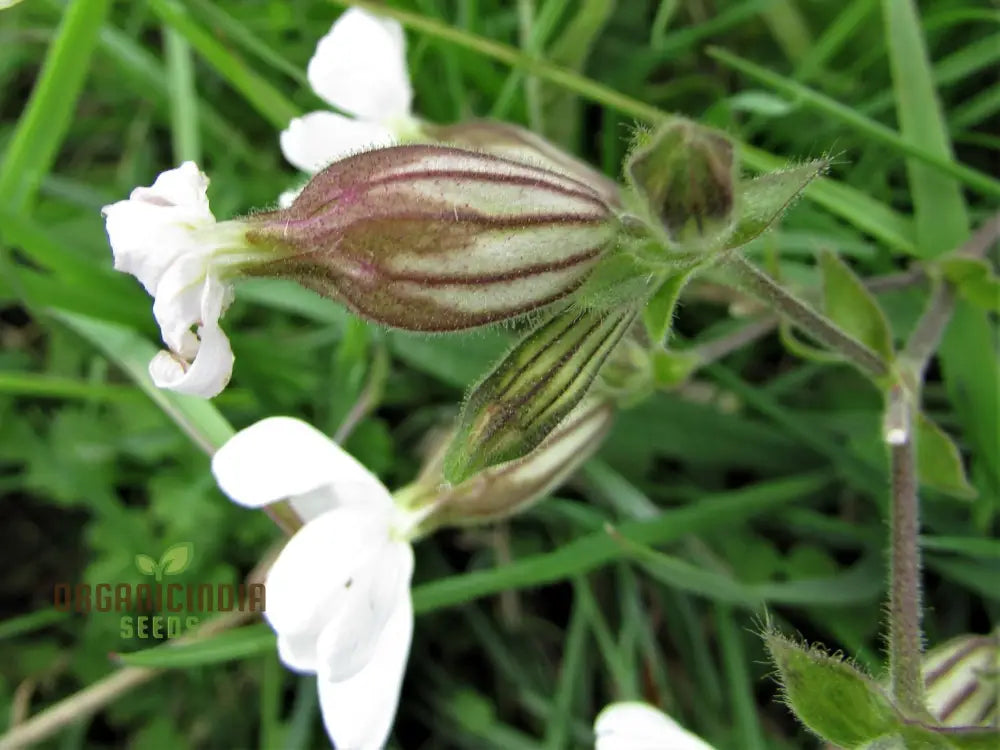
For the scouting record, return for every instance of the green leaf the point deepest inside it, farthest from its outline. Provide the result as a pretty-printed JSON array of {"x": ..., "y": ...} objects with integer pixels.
[
  {"x": 177, "y": 558},
  {"x": 852, "y": 307},
  {"x": 241, "y": 643},
  {"x": 975, "y": 281},
  {"x": 146, "y": 565},
  {"x": 831, "y": 697},
  {"x": 764, "y": 199},
  {"x": 939, "y": 464}
]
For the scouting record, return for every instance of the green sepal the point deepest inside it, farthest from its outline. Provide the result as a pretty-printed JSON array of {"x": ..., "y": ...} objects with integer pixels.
[
  {"x": 763, "y": 200},
  {"x": 830, "y": 696},
  {"x": 533, "y": 389},
  {"x": 658, "y": 315}
]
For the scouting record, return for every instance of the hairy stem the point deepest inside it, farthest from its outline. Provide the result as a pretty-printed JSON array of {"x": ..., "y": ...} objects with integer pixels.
[
  {"x": 905, "y": 637},
  {"x": 799, "y": 313}
]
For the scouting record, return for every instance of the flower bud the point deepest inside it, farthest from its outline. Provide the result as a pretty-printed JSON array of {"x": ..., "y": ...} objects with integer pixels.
[
  {"x": 514, "y": 142},
  {"x": 431, "y": 238},
  {"x": 962, "y": 681},
  {"x": 685, "y": 178},
  {"x": 533, "y": 389},
  {"x": 505, "y": 489}
]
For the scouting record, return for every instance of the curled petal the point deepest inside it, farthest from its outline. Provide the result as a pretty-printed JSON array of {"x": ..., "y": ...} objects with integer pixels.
[
  {"x": 310, "y": 583},
  {"x": 314, "y": 140},
  {"x": 198, "y": 365},
  {"x": 358, "y": 712},
  {"x": 638, "y": 726},
  {"x": 360, "y": 67},
  {"x": 206, "y": 376},
  {"x": 282, "y": 457}
]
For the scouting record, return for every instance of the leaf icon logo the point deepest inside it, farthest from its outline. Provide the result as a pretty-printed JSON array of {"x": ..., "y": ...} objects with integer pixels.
[{"x": 174, "y": 561}]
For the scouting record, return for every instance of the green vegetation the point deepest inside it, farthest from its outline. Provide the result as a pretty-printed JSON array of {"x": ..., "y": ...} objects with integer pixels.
[{"x": 751, "y": 490}]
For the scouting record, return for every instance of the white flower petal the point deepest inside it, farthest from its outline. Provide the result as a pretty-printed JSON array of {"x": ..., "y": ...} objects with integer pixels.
[
  {"x": 358, "y": 712},
  {"x": 182, "y": 296},
  {"x": 317, "y": 139},
  {"x": 349, "y": 638},
  {"x": 281, "y": 457},
  {"x": 639, "y": 726},
  {"x": 360, "y": 67},
  {"x": 159, "y": 224},
  {"x": 298, "y": 652},
  {"x": 198, "y": 365},
  {"x": 206, "y": 376},
  {"x": 185, "y": 186},
  {"x": 311, "y": 580}
]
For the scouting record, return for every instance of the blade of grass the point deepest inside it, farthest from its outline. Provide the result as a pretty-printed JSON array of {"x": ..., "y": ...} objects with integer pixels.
[
  {"x": 570, "y": 671},
  {"x": 941, "y": 217},
  {"x": 184, "y": 132},
  {"x": 853, "y": 119},
  {"x": 738, "y": 679},
  {"x": 595, "y": 550},
  {"x": 46, "y": 119},
  {"x": 242, "y": 643},
  {"x": 269, "y": 102},
  {"x": 195, "y": 416},
  {"x": 236, "y": 30}
]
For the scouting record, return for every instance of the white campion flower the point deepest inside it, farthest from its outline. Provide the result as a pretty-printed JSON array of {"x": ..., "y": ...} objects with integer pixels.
[
  {"x": 639, "y": 726},
  {"x": 166, "y": 236},
  {"x": 359, "y": 67},
  {"x": 338, "y": 596}
]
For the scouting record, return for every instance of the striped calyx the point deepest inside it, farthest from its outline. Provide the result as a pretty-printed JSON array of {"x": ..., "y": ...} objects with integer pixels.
[
  {"x": 507, "y": 488},
  {"x": 434, "y": 238},
  {"x": 962, "y": 681},
  {"x": 533, "y": 389},
  {"x": 520, "y": 144}
]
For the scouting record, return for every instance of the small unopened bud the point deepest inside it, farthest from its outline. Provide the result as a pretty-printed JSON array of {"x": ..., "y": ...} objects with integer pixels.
[
  {"x": 432, "y": 238},
  {"x": 533, "y": 389},
  {"x": 685, "y": 177},
  {"x": 962, "y": 680},
  {"x": 515, "y": 142},
  {"x": 500, "y": 491}
]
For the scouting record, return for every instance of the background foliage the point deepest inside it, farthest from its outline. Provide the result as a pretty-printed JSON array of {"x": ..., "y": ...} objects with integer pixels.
[{"x": 762, "y": 480}]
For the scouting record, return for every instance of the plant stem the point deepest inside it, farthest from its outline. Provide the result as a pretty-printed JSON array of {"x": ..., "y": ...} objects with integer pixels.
[
  {"x": 905, "y": 637},
  {"x": 798, "y": 312}
]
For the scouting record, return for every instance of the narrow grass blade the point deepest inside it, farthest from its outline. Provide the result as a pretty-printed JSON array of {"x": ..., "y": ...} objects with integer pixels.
[{"x": 47, "y": 118}]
